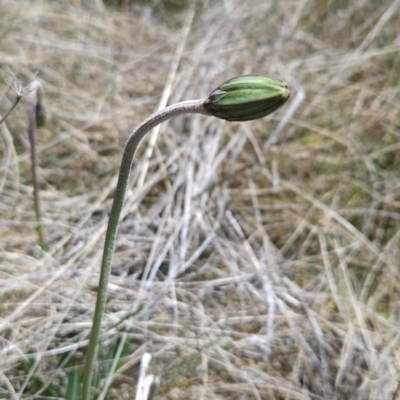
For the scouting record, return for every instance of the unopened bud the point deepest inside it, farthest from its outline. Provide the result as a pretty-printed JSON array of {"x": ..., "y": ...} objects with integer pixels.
[{"x": 246, "y": 98}]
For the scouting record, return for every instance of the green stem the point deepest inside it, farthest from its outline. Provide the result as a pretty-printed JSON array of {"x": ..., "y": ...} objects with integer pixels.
[{"x": 186, "y": 107}]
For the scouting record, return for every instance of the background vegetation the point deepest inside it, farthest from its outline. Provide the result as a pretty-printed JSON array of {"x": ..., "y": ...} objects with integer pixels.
[{"x": 249, "y": 268}]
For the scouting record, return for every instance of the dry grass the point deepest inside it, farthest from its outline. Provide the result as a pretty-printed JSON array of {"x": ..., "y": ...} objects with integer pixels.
[{"x": 272, "y": 268}]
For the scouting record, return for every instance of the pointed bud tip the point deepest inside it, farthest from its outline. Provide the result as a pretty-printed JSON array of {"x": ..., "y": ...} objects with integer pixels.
[{"x": 246, "y": 98}]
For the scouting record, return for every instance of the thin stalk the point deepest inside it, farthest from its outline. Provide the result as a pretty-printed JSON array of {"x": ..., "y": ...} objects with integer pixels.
[
  {"x": 35, "y": 98},
  {"x": 16, "y": 101},
  {"x": 186, "y": 107}
]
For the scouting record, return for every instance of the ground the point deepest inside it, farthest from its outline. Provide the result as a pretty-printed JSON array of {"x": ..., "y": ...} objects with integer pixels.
[{"x": 255, "y": 260}]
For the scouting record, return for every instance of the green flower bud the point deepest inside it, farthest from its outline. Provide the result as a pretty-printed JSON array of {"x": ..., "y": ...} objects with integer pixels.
[{"x": 247, "y": 97}]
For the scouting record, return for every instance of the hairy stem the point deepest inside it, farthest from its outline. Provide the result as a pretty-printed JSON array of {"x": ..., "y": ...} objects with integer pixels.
[{"x": 186, "y": 107}]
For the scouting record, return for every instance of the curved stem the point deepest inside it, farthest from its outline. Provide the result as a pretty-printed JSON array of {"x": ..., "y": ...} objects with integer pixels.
[{"x": 186, "y": 107}]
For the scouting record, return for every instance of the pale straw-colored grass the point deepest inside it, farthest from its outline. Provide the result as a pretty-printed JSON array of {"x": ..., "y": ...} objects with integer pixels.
[{"x": 272, "y": 267}]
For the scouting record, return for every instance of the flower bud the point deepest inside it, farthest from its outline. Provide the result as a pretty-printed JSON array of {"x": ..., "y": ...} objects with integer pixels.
[{"x": 247, "y": 97}]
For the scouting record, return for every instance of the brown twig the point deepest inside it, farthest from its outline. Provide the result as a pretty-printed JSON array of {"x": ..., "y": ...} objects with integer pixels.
[
  {"x": 16, "y": 101},
  {"x": 16, "y": 84}
]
